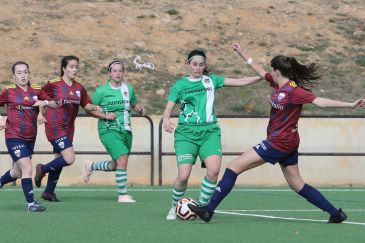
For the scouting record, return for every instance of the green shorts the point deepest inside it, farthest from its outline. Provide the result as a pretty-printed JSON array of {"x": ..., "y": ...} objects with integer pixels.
[
  {"x": 116, "y": 143},
  {"x": 194, "y": 140}
]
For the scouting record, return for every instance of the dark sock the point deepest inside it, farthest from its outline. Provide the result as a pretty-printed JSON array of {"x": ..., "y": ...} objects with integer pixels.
[
  {"x": 222, "y": 189},
  {"x": 28, "y": 189},
  {"x": 6, "y": 178},
  {"x": 53, "y": 177},
  {"x": 316, "y": 198},
  {"x": 54, "y": 165}
]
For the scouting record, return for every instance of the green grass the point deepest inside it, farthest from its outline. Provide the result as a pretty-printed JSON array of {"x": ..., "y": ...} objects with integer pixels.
[{"x": 89, "y": 214}]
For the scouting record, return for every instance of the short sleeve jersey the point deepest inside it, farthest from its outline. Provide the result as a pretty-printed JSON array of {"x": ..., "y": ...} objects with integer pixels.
[
  {"x": 117, "y": 100},
  {"x": 61, "y": 121},
  {"x": 286, "y": 105},
  {"x": 196, "y": 98},
  {"x": 21, "y": 119}
]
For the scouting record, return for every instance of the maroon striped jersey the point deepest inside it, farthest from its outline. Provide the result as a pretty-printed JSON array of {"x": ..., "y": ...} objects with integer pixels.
[
  {"x": 61, "y": 121},
  {"x": 286, "y": 105},
  {"x": 21, "y": 119}
]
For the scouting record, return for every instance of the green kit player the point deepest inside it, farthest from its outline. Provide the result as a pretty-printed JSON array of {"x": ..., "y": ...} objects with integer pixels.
[
  {"x": 116, "y": 98},
  {"x": 197, "y": 133}
]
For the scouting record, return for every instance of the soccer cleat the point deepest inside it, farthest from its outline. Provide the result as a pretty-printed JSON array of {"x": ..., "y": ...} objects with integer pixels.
[
  {"x": 38, "y": 175},
  {"x": 172, "y": 214},
  {"x": 126, "y": 199},
  {"x": 87, "y": 171},
  {"x": 50, "y": 196},
  {"x": 202, "y": 211},
  {"x": 338, "y": 218},
  {"x": 36, "y": 207}
]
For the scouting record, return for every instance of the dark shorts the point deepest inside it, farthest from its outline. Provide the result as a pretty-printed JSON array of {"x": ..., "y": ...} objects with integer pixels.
[
  {"x": 61, "y": 144},
  {"x": 273, "y": 156},
  {"x": 19, "y": 148}
]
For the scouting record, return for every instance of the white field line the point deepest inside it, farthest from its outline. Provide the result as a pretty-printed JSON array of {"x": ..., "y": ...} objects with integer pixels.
[
  {"x": 283, "y": 218},
  {"x": 8, "y": 188}
]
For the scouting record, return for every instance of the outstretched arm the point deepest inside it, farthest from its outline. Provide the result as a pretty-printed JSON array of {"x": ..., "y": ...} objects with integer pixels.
[
  {"x": 326, "y": 103},
  {"x": 241, "y": 81},
  {"x": 256, "y": 67},
  {"x": 167, "y": 125}
]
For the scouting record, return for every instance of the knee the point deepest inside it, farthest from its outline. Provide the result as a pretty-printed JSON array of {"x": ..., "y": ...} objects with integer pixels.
[
  {"x": 69, "y": 159},
  {"x": 213, "y": 174},
  {"x": 112, "y": 166},
  {"x": 16, "y": 174},
  {"x": 183, "y": 179}
]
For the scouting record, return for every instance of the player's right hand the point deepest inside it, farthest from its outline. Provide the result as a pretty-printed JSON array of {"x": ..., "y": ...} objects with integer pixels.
[
  {"x": 168, "y": 126},
  {"x": 110, "y": 116}
]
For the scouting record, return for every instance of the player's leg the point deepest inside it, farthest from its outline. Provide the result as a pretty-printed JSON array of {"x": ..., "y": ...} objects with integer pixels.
[
  {"x": 180, "y": 186},
  {"x": 210, "y": 153},
  {"x": 213, "y": 164},
  {"x": 90, "y": 166},
  {"x": 121, "y": 178},
  {"x": 246, "y": 161},
  {"x": 295, "y": 181},
  {"x": 61, "y": 146},
  {"x": 25, "y": 166}
]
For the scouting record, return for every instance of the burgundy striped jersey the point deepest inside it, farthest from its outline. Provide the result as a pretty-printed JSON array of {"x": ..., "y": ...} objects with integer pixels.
[
  {"x": 61, "y": 121},
  {"x": 286, "y": 105},
  {"x": 21, "y": 119}
]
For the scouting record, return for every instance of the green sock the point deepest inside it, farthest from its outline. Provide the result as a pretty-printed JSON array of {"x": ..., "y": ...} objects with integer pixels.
[
  {"x": 206, "y": 191},
  {"x": 101, "y": 165},
  {"x": 121, "y": 179},
  {"x": 177, "y": 195}
]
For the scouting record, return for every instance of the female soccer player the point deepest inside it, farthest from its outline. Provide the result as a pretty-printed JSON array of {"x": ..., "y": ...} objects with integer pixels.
[
  {"x": 60, "y": 123},
  {"x": 289, "y": 80},
  {"x": 115, "y": 97},
  {"x": 22, "y": 101},
  {"x": 197, "y": 133}
]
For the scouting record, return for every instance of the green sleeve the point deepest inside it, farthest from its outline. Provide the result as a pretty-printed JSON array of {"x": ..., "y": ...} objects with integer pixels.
[
  {"x": 218, "y": 81},
  {"x": 96, "y": 98},
  {"x": 173, "y": 95},
  {"x": 133, "y": 97}
]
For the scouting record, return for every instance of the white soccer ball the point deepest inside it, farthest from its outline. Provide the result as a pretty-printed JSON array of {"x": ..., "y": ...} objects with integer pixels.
[{"x": 182, "y": 210}]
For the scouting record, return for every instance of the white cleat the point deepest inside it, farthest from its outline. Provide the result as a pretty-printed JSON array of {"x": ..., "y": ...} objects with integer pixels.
[
  {"x": 126, "y": 199},
  {"x": 87, "y": 171},
  {"x": 172, "y": 214}
]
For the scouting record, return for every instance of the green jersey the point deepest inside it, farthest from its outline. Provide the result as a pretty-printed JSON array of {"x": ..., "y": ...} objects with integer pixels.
[
  {"x": 117, "y": 100},
  {"x": 196, "y": 98}
]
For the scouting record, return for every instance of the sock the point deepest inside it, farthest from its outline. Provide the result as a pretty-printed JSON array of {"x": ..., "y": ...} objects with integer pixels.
[
  {"x": 28, "y": 189},
  {"x": 206, "y": 191},
  {"x": 121, "y": 179},
  {"x": 316, "y": 198},
  {"x": 54, "y": 165},
  {"x": 6, "y": 178},
  {"x": 101, "y": 165},
  {"x": 53, "y": 177},
  {"x": 177, "y": 195},
  {"x": 223, "y": 188}
]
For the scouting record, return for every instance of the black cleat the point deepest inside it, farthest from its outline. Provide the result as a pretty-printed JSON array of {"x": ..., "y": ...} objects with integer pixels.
[
  {"x": 36, "y": 207},
  {"x": 338, "y": 218},
  {"x": 50, "y": 196},
  {"x": 202, "y": 211},
  {"x": 38, "y": 175}
]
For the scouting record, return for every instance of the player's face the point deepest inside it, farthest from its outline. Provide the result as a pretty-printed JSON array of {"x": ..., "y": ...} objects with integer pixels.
[
  {"x": 71, "y": 70},
  {"x": 196, "y": 67},
  {"x": 21, "y": 75},
  {"x": 116, "y": 73}
]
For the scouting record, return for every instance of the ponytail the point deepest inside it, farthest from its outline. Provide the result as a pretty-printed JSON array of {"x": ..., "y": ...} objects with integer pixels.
[{"x": 303, "y": 75}]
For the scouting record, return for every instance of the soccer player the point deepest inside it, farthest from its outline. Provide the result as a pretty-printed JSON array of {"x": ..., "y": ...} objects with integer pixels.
[
  {"x": 197, "y": 133},
  {"x": 60, "y": 123},
  {"x": 289, "y": 80},
  {"x": 22, "y": 100},
  {"x": 116, "y": 98}
]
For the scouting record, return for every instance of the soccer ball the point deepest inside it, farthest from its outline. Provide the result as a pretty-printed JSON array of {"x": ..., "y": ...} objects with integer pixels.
[{"x": 183, "y": 211}]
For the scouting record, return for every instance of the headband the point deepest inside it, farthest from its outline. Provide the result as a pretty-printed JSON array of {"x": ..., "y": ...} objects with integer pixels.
[{"x": 113, "y": 63}]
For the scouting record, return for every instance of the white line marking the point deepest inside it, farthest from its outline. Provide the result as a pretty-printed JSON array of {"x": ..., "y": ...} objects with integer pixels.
[
  {"x": 287, "y": 210},
  {"x": 283, "y": 218},
  {"x": 169, "y": 190}
]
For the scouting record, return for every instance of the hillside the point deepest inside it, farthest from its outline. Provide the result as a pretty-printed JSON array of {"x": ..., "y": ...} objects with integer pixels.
[{"x": 162, "y": 32}]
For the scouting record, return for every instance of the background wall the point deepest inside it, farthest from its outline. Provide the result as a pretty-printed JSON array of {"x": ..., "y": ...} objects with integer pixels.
[{"x": 317, "y": 135}]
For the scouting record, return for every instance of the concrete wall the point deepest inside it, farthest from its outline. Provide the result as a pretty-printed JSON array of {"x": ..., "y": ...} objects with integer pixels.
[{"x": 317, "y": 135}]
